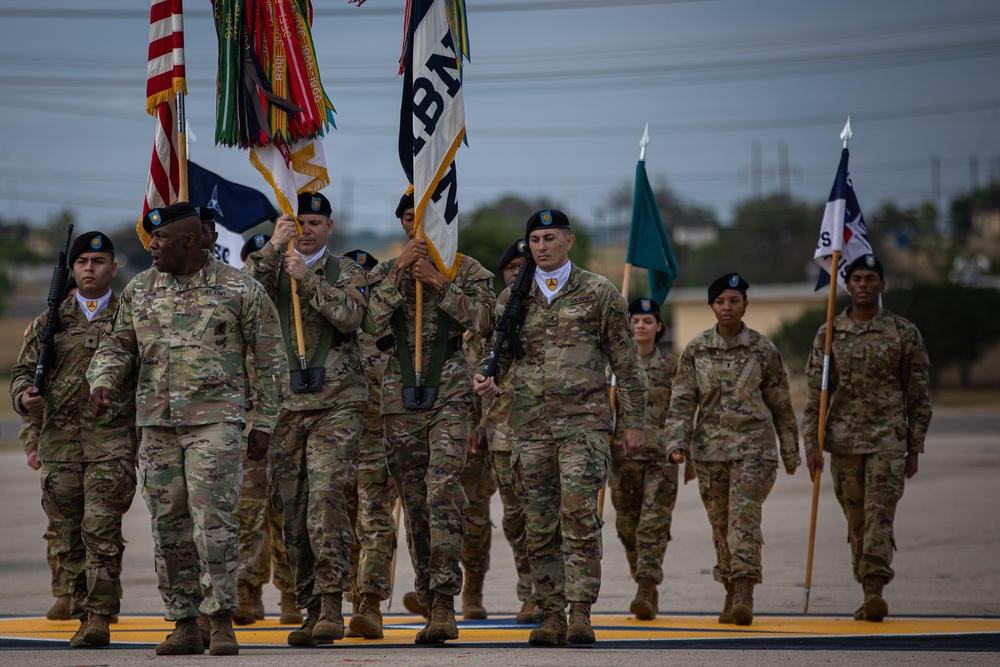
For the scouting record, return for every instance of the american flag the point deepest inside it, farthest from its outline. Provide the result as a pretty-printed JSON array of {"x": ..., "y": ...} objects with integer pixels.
[{"x": 164, "y": 79}]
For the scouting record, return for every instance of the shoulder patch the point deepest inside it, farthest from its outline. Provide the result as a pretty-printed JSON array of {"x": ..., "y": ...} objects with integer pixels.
[{"x": 28, "y": 330}]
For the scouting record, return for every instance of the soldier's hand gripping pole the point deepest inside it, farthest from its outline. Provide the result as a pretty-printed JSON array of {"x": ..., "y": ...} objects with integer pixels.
[{"x": 57, "y": 292}]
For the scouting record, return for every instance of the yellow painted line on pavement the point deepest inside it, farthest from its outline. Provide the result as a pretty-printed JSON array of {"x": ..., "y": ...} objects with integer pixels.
[{"x": 502, "y": 629}]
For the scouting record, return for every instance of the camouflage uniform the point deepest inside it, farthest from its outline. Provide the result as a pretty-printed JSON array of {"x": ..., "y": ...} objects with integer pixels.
[
  {"x": 739, "y": 390},
  {"x": 426, "y": 449},
  {"x": 879, "y": 412},
  {"x": 28, "y": 435},
  {"x": 88, "y": 472},
  {"x": 560, "y": 422},
  {"x": 262, "y": 545},
  {"x": 191, "y": 337},
  {"x": 375, "y": 496},
  {"x": 314, "y": 455},
  {"x": 644, "y": 485}
]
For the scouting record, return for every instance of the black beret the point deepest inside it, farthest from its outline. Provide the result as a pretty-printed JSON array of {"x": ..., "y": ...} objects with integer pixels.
[
  {"x": 365, "y": 259},
  {"x": 207, "y": 215},
  {"x": 729, "y": 281},
  {"x": 315, "y": 203},
  {"x": 405, "y": 202},
  {"x": 644, "y": 306},
  {"x": 164, "y": 215},
  {"x": 869, "y": 262},
  {"x": 548, "y": 219},
  {"x": 514, "y": 251},
  {"x": 89, "y": 242},
  {"x": 252, "y": 245}
]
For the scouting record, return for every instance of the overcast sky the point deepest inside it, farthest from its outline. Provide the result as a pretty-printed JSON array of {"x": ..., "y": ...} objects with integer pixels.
[{"x": 556, "y": 98}]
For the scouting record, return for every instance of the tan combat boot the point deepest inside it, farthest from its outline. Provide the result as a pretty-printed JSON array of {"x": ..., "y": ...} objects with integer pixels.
[
  {"x": 875, "y": 606},
  {"x": 184, "y": 640},
  {"x": 411, "y": 601},
  {"x": 304, "y": 635},
  {"x": 580, "y": 630},
  {"x": 98, "y": 633},
  {"x": 527, "y": 614},
  {"x": 366, "y": 621},
  {"x": 204, "y": 624},
  {"x": 290, "y": 614},
  {"x": 223, "y": 638},
  {"x": 743, "y": 600},
  {"x": 244, "y": 607},
  {"x": 646, "y": 602},
  {"x": 60, "y": 610},
  {"x": 257, "y": 602},
  {"x": 472, "y": 597},
  {"x": 78, "y": 640},
  {"x": 552, "y": 631},
  {"x": 330, "y": 625},
  {"x": 727, "y": 607},
  {"x": 441, "y": 625}
]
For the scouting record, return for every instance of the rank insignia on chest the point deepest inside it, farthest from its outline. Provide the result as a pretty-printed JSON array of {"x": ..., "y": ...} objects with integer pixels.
[
  {"x": 91, "y": 306},
  {"x": 551, "y": 283}
]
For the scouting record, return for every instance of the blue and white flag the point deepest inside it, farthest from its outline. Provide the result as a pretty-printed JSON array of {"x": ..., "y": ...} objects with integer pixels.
[
  {"x": 431, "y": 128},
  {"x": 237, "y": 208},
  {"x": 843, "y": 228}
]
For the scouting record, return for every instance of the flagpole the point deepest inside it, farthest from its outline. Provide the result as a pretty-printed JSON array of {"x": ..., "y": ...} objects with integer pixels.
[
  {"x": 825, "y": 388},
  {"x": 626, "y": 280},
  {"x": 182, "y": 183}
]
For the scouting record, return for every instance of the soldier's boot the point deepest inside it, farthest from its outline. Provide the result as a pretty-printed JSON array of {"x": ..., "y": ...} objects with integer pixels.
[
  {"x": 875, "y": 605},
  {"x": 112, "y": 619},
  {"x": 527, "y": 614},
  {"x": 78, "y": 640},
  {"x": 552, "y": 631},
  {"x": 244, "y": 607},
  {"x": 257, "y": 602},
  {"x": 60, "y": 610},
  {"x": 290, "y": 614},
  {"x": 646, "y": 602},
  {"x": 411, "y": 601},
  {"x": 204, "y": 624},
  {"x": 472, "y": 597},
  {"x": 441, "y": 625},
  {"x": 366, "y": 621},
  {"x": 223, "y": 638},
  {"x": 743, "y": 601},
  {"x": 727, "y": 607},
  {"x": 859, "y": 613},
  {"x": 184, "y": 640},
  {"x": 349, "y": 632},
  {"x": 304, "y": 635},
  {"x": 98, "y": 633},
  {"x": 580, "y": 630},
  {"x": 330, "y": 626}
]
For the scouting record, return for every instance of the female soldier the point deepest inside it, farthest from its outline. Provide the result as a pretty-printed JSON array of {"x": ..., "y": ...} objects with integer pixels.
[
  {"x": 733, "y": 379},
  {"x": 644, "y": 485}
]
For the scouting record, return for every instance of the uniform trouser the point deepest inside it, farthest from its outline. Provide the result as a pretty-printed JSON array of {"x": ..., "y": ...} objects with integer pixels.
[
  {"x": 479, "y": 485},
  {"x": 60, "y": 586},
  {"x": 733, "y": 493},
  {"x": 643, "y": 494},
  {"x": 314, "y": 459},
  {"x": 513, "y": 522},
  {"x": 868, "y": 487},
  {"x": 84, "y": 502},
  {"x": 262, "y": 544},
  {"x": 190, "y": 478},
  {"x": 426, "y": 453},
  {"x": 564, "y": 474},
  {"x": 371, "y": 504}
]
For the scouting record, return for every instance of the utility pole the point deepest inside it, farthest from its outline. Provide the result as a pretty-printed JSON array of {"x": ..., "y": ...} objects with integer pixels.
[
  {"x": 756, "y": 171},
  {"x": 784, "y": 175}
]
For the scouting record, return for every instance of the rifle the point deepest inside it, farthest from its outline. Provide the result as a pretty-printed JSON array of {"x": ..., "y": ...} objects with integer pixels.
[
  {"x": 509, "y": 326},
  {"x": 57, "y": 293}
]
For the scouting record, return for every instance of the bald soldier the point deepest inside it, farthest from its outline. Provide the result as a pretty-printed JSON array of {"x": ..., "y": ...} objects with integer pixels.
[
  {"x": 88, "y": 475},
  {"x": 880, "y": 409},
  {"x": 576, "y": 323},
  {"x": 194, "y": 324},
  {"x": 315, "y": 456}
]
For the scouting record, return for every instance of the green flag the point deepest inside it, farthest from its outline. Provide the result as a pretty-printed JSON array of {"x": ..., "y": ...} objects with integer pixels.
[{"x": 648, "y": 245}]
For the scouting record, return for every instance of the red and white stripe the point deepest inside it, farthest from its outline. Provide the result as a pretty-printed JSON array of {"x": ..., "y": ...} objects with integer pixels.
[
  {"x": 164, "y": 170},
  {"x": 165, "y": 75}
]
